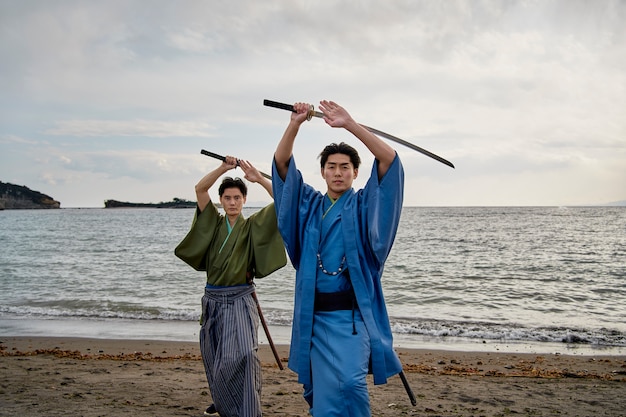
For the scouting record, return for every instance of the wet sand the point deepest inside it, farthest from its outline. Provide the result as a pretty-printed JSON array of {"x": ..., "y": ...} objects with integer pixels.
[{"x": 101, "y": 377}]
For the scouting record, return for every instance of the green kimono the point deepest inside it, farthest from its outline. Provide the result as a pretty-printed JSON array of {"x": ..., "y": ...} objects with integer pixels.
[
  {"x": 230, "y": 317},
  {"x": 254, "y": 247}
]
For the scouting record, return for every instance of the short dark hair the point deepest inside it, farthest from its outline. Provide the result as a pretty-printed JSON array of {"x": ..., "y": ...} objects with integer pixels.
[
  {"x": 342, "y": 148},
  {"x": 236, "y": 182}
]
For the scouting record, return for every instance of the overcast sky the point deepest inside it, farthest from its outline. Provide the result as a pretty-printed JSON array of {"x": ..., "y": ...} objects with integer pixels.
[{"x": 115, "y": 99}]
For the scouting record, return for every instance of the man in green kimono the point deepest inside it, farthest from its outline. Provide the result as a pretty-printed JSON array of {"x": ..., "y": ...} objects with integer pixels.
[{"x": 232, "y": 250}]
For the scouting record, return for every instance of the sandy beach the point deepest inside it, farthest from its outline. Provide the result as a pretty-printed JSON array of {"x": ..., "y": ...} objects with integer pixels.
[{"x": 99, "y": 377}]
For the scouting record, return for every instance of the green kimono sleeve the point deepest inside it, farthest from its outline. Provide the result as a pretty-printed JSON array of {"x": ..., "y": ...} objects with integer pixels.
[
  {"x": 269, "y": 250},
  {"x": 194, "y": 247}
]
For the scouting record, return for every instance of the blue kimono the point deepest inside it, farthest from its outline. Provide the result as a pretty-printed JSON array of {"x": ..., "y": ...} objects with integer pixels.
[{"x": 367, "y": 220}]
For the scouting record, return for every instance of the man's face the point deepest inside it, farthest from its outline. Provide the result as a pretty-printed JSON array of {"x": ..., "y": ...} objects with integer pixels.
[
  {"x": 339, "y": 173},
  {"x": 232, "y": 201}
]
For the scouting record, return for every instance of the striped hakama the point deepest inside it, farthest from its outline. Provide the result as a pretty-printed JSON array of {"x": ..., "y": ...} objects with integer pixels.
[{"x": 229, "y": 345}]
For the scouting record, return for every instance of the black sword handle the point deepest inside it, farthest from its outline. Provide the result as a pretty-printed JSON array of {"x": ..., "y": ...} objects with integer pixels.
[
  {"x": 290, "y": 107},
  {"x": 223, "y": 158},
  {"x": 214, "y": 155},
  {"x": 278, "y": 105}
]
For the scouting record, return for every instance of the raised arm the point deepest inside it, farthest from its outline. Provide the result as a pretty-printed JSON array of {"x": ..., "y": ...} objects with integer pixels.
[
  {"x": 337, "y": 116},
  {"x": 284, "y": 150},
  {"x": 202, "y": 187},
  {"x": 253, "y": 175}
]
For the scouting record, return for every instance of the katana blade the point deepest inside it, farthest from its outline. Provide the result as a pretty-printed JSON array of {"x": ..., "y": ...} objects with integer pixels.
[
  {"x": 409, "y": 145},
  {"x": 223, "y": 158},
  {"x": 313, "y": 113}
]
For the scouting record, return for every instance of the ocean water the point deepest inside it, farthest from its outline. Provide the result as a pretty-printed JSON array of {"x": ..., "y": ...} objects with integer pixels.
[{"x": 544, "y": 279}]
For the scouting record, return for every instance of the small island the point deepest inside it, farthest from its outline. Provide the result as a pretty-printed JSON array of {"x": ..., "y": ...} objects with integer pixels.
[
  {"x": 21, "y": 197},
  {"x": 175, "y": 203}
]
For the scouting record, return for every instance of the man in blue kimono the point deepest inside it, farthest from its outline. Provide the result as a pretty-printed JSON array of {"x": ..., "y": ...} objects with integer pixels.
[{"x": 338, "y": 243}]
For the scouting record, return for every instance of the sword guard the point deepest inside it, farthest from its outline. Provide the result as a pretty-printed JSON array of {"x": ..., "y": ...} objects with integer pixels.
[{"x": 311, "y": 112}]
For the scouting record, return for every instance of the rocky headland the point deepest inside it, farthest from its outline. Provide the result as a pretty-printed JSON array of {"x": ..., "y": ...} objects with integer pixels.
[{"x": 21, "y": 197}]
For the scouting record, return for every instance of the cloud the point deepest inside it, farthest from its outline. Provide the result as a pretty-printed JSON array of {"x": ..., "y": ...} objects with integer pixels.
[
  {"x": 147, "y": 128},
  {"x": 508, "y": 91},
  {"x": 13, "y": 139},
  {"x": 142, "y": 165}
]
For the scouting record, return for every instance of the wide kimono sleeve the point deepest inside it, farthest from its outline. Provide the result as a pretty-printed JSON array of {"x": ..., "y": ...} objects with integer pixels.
[
  {"x": 383, "y": 199},
  {"x": 194, "y": 247},
  {"x": 269, "y": 251},
  {"x": 296, "y": 203}
]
